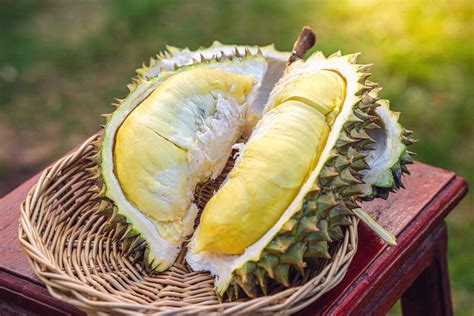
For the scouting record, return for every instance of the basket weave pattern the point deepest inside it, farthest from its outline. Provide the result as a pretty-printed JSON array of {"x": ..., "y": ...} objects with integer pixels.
[{"x": 82, "y": 262}]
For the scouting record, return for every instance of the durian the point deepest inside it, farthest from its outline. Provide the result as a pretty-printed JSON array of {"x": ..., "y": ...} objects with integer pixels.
[
  {"x": 174, "y": 130},
  {"x": 313, "y": 139},
  {"x": 324, "y": 142}
]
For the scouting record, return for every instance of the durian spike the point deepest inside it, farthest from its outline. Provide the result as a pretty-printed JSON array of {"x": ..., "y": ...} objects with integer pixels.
[
  {"x": 385, "y": 235},
  {"x": 306, "y": 40}
]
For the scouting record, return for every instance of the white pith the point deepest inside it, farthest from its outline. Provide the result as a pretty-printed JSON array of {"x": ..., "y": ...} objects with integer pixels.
[
  {"x": 213, "y": 141},
  {"x": 221, "y": 265}
]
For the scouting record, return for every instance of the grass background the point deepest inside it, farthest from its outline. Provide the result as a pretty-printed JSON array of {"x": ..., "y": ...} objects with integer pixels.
[{"x": 62, "y": 63}]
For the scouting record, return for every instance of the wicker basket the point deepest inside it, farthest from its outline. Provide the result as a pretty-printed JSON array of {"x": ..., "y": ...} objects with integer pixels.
[{"x": 74, "y": 253}]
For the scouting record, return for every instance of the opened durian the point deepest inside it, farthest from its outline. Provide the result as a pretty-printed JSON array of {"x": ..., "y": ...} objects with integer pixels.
[{"x": 313, "y": 139}]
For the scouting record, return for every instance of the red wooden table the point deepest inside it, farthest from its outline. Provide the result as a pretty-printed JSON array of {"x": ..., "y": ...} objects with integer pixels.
[{"x": 415, "y": 270}]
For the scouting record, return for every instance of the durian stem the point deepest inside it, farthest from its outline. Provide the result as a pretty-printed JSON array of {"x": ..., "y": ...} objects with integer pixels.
[
  {"x": 306, "y": 40},
  {"x": 385, "y": 235}
]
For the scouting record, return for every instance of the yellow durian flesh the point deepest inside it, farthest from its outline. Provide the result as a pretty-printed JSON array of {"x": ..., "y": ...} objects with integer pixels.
[
  {"x": 153, "y": 146},
  {"x": 274, "y": 164}
]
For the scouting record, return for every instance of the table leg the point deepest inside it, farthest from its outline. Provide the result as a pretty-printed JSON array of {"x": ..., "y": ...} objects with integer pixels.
[{"x": 430, "y": 293}]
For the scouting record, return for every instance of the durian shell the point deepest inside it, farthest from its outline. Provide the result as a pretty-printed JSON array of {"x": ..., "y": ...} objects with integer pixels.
[
  {"x": 306, "y": 238},
  {"x": 126, "y": 232}
]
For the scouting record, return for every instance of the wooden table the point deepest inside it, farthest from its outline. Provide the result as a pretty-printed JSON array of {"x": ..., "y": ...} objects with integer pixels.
[{"x": 415, "y": 270}]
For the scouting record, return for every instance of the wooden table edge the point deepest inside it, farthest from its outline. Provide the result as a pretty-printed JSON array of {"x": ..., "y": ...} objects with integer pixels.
[{"x": 353, "y": 293}]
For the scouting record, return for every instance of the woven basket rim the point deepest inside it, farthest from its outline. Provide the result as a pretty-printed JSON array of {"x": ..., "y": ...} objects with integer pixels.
[{"x": 64, "y": 285}]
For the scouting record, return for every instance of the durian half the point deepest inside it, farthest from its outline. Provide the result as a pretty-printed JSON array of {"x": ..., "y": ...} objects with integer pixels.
[{"x": 325, "y": 141}]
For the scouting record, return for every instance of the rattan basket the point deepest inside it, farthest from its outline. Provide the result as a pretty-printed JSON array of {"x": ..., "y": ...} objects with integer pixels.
[{"x": 73, "y": 252}]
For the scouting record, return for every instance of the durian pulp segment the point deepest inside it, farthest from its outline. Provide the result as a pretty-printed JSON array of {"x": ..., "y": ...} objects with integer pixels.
[
  {"x": 282, "y": 151},
  {"x": 163, "y": 131}
]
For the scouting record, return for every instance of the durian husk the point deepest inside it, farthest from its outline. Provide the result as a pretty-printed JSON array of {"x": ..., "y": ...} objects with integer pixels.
[
  {"x": 131, "y": 238},
  {"x": 305, "y": 238}
]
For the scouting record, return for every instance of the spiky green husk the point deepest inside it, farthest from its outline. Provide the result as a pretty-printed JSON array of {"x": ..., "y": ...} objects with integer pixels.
[{"x": 306, "y": 238}]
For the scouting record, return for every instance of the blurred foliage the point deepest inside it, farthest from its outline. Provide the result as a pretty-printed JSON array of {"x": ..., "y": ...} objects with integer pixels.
[{"x": 62, "y": 63}]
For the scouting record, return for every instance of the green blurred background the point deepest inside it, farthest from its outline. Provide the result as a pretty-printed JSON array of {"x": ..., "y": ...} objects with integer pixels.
[{"x": 62, "y": 63}]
